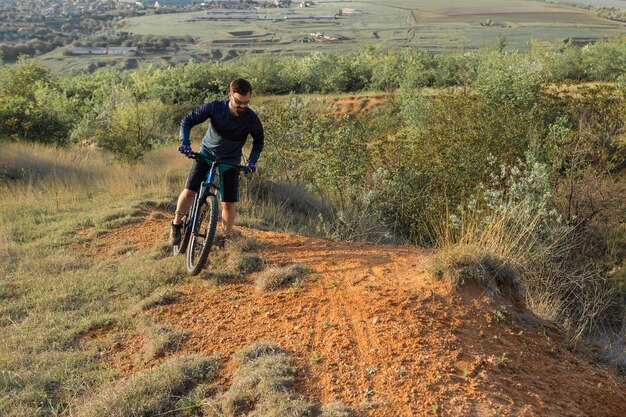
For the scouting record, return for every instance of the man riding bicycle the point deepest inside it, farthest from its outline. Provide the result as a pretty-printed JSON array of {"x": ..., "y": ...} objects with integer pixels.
[{"x": 231, "y": 123}]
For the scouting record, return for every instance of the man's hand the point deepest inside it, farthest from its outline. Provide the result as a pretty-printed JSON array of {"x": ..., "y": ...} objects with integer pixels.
[
  {"x": 184, "y": 149},
  {"x": 250, "y": 167}
]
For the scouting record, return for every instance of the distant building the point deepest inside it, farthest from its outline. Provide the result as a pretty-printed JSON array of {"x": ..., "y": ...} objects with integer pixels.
[
  {"x": 122, "y": 50},
  {"x": 129, "y": 3},
  {"x": 88, "y": 51},
  {"x": 112, "y": 50},
  {"x": 327, "y": 37},
  {"x": 228, "y": 14}
]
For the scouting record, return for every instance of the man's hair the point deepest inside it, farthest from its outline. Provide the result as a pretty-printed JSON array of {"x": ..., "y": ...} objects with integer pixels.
[{"x": 240, "y": 86}]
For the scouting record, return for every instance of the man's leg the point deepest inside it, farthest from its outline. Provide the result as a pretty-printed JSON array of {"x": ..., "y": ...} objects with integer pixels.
[
  {"x": 185, "y": 200},
  {"x": 229, "y": 181},
  {"x": 228, "y": 217}
]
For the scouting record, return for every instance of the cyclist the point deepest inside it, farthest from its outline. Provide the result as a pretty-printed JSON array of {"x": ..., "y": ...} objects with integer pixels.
[{"x": 231, "y": 123}]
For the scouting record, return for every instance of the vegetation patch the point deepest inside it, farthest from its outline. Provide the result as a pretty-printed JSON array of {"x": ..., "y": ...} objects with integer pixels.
[
  {"x": 122, "y": 249},
  {"x": 162, "y": 250},
  {"x": 153, "y": 391},
  {"x": 262, "y": 385},
  {"x": 159, "y": 339},
  {"x": 514, "y": 245},
  {"x": 232, "y": 257},
  {"x": 161, "y": 296},
  {"x": 278, "y": 277},
  {"x": 462, "y": 264},
  {"x": 243, "y": 263},
  {"x": 337, "y": 409}
]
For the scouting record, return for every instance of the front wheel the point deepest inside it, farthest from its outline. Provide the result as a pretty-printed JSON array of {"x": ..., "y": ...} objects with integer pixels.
[{"x": 201, "y": 242}]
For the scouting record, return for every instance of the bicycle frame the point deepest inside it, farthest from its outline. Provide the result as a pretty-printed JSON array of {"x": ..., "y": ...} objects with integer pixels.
[
  {"x": 207, "y": 186},
  {"x": 198, "y": 240}
]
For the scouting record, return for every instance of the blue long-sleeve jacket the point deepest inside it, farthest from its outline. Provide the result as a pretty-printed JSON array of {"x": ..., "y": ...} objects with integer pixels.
[{"x": 226, "y": 134}]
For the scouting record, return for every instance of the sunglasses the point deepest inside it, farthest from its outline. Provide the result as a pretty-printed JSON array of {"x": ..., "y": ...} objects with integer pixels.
[{"x": 240, "y": 102}]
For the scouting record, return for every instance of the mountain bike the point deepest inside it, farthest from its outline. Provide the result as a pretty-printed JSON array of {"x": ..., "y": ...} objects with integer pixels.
[{"x": 200, "y": 223}]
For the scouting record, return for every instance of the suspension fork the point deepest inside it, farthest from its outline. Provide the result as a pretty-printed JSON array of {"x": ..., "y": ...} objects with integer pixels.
[{"x": 205, "y": 189}]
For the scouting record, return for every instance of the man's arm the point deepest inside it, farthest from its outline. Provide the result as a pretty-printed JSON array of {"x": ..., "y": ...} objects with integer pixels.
[
  {"x": 258, "y": 140},
  {"x": 199, "y": 115}
]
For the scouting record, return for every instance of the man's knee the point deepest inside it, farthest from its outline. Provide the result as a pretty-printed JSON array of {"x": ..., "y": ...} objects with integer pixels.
[{"x": 186, "y": 193}]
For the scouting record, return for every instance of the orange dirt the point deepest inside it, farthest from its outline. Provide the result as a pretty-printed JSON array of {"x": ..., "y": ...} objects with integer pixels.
[
  {"x": 369, "y": 328},
  {"x": 357, "y": 105}
]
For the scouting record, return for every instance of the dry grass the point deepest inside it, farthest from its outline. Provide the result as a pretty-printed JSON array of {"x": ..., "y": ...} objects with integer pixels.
[
  {"x": 159, "y": 339},
  {"x": 257, "y": 350},
  {"x": 280, "y": 206},
  {"x": 261, "y": 386},
  {"x": 161, "y": 296},
  {"x": 612, "y": 350},
  {"x": 277, "y": 277},
  {"x": 337, "y": 409},
  {"x": 466, "y": 263},
  {"x": 243, "y": 263},
  {"x": 65, "y": 176},
  {"x": 234, "y": 258},
  {"x": 151, "y": 392},
  {"x": 508, "y": 248}
]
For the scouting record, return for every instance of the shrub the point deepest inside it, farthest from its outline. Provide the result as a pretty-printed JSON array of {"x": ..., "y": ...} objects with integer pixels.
[
  {"x": 517, "y": 238},
  {"x": 605, "y": 60},
  {"x": 130, "y": 127},
  {"x": 509, "y": 77}
]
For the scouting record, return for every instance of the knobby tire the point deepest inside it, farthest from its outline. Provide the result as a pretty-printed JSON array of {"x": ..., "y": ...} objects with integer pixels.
[{"x": 200, "y": 243}]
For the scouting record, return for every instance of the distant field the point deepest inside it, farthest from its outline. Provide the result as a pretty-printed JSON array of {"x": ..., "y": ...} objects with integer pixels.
[{"x": 432, "y": 25}]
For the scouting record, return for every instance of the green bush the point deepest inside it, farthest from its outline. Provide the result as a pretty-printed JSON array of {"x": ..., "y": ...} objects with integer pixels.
[
  {"x": 31, "y": 106},
  {"x": 605, "y": 60}
]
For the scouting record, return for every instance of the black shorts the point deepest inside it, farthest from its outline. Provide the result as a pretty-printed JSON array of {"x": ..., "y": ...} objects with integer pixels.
[{"x": 229, "y": 180}]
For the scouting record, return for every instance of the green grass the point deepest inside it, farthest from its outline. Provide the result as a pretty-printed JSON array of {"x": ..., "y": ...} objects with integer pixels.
[{"x": 393, "y": 23}]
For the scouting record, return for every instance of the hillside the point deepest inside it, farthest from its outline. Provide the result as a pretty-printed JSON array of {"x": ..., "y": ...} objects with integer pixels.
[
  {"x": 517, "y": 181},
  {"x": 368, "y": 327}
]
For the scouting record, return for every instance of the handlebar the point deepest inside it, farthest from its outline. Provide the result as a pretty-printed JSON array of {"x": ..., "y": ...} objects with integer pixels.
[{"x": 203, "y": 158}]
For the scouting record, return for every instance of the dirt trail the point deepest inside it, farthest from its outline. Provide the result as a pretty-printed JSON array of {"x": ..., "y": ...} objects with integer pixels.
[{"x": 369, "y": 328}]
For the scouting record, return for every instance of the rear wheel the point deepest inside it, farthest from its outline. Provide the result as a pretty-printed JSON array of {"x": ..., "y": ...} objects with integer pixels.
[{"x": 201, "y": 242}]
